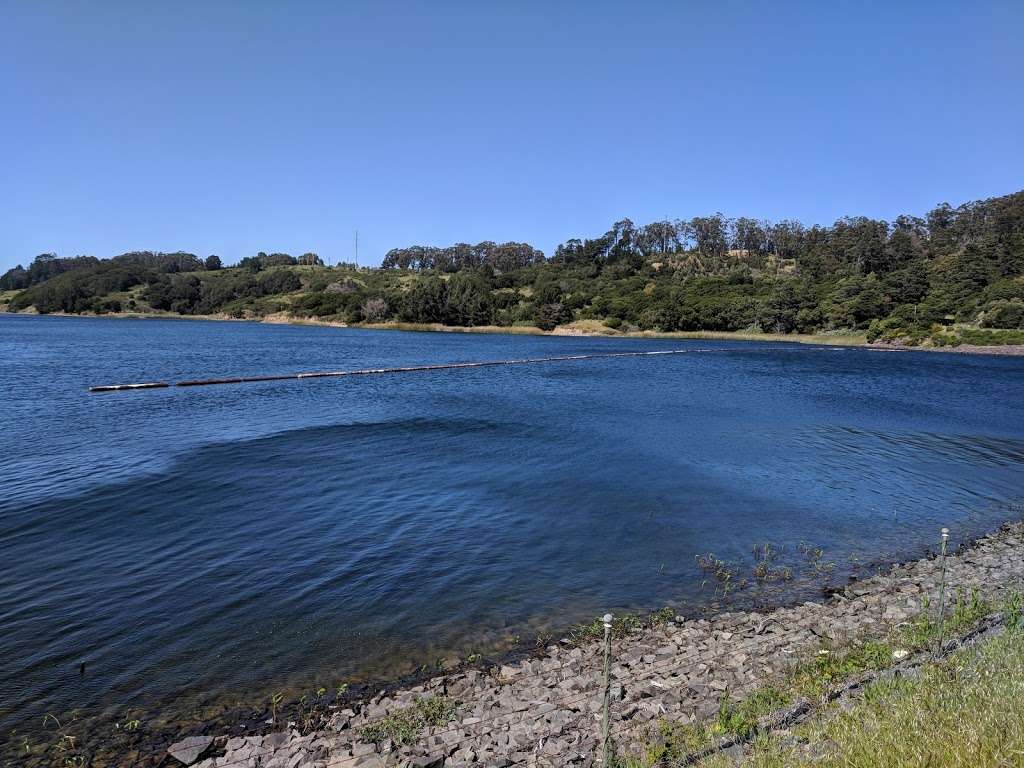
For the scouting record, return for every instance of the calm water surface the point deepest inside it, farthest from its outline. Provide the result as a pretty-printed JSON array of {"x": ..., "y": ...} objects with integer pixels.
[{"x": 239, "y": 538}]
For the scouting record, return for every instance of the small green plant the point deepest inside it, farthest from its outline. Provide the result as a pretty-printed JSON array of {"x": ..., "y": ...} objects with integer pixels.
[
  {"x": 312, "y": 711},
  {"x": 829, "y": 666},
  {"x": 925, "y": 628},
  {"x": 740, "y": 718},
  {"x": 673, "y": 742},
  {"x": 724, "y": 573},
  {"x": 622, "y": 626},
  {"x": 66, "y": 742},
  {"x": 662, "y": 616},
  {"x": 404, "y": 726},
  {"x": 1013, "y": 610},
  {"x": 341, "y": 690},
  {"x": 812, "y": 556},
  {"x": 275, "y": 700},
  {"x": 765, "y": 557}
]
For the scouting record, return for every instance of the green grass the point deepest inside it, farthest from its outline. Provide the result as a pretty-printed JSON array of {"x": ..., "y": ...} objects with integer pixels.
[
  {"x": 966, "y": 711},
  {"x": 984, "y": 337},
  {"x": 962, "y": 613},
  {"x": 623, "y": 625},
  {"x": 822, "y": 672},
  {"x": 829, "y": 668},
  {"x": 406, "y": 725},
  {"x": 941, "y": 336}
]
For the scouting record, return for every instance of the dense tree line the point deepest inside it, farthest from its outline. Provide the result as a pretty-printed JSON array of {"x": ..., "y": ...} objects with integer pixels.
[
  {"x": 44, "y": 267},
  {"x": 79, "y": 284},
  {"x": 83, "y": 283},
  {"x": 716, "y": 273},
  {"x": 504, "y": 257},
  {"x": 187, "y": 294},
  {"x": 81, "y": 290},
  {"x": 892, "y": 279},
  {"x": 263, "y": 261},
  {"x": 47, "y": 266}
]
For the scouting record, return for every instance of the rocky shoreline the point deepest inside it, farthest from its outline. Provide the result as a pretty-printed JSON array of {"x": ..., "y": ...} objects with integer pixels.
[
  {"x": 1009, "y": 350},
  {"x": 545, "y": 710}
]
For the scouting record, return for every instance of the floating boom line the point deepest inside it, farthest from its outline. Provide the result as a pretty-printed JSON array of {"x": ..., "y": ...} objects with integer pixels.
[{"x": 407, "y": 369}]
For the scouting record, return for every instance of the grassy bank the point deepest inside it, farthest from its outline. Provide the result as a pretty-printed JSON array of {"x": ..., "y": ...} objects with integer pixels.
[{"x": 965, "y": 710}]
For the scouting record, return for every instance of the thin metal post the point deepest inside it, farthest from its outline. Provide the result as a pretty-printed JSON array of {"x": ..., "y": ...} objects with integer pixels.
[
  {"x": 606, "y": 734},
  {"x": 942, "y": 590}
]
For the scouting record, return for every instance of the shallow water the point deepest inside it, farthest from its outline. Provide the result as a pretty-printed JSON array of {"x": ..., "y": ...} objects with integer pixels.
[{"x": 238, "y": 538}]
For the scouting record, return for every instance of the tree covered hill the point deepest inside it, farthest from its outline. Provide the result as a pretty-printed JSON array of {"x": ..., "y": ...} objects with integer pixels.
[{"x": 910, "y": 279}]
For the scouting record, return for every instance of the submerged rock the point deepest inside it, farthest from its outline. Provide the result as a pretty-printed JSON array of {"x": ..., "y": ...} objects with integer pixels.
[{"x": 188, "y": 750}]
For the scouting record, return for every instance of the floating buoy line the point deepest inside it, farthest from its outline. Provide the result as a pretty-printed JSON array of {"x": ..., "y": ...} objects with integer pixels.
[{"x": 407, "y": 369}]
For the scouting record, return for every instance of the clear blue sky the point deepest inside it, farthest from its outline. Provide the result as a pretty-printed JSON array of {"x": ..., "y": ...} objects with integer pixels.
[{"x": 233, "y": 127}]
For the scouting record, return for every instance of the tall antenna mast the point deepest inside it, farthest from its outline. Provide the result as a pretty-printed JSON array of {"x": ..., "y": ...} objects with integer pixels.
[{"x": 357, "y": 248}]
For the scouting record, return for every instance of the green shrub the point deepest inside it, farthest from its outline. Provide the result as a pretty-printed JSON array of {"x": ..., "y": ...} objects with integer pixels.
[
  {"x": 1003, "y": 314},
  {"x": 991, "y": 337},
  {"x": 405, "y": 725}
]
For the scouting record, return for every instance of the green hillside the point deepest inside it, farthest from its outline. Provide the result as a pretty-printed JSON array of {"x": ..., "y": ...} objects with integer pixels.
[{"x": 957, "y": 274}]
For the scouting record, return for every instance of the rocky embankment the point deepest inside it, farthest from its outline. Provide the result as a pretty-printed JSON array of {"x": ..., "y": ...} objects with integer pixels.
[{"x": 546, "y": 711}]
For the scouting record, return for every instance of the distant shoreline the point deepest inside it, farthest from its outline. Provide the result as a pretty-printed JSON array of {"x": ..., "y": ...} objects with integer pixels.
[{"x": 582, "y": 329}]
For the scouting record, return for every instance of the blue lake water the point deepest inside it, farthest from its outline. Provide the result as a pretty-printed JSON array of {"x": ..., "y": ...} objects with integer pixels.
[{"x": 190, "y": 542}]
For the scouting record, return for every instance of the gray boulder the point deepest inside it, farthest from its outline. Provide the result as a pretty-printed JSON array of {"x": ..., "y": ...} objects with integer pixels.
[{"x": 189, "y": 750}]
